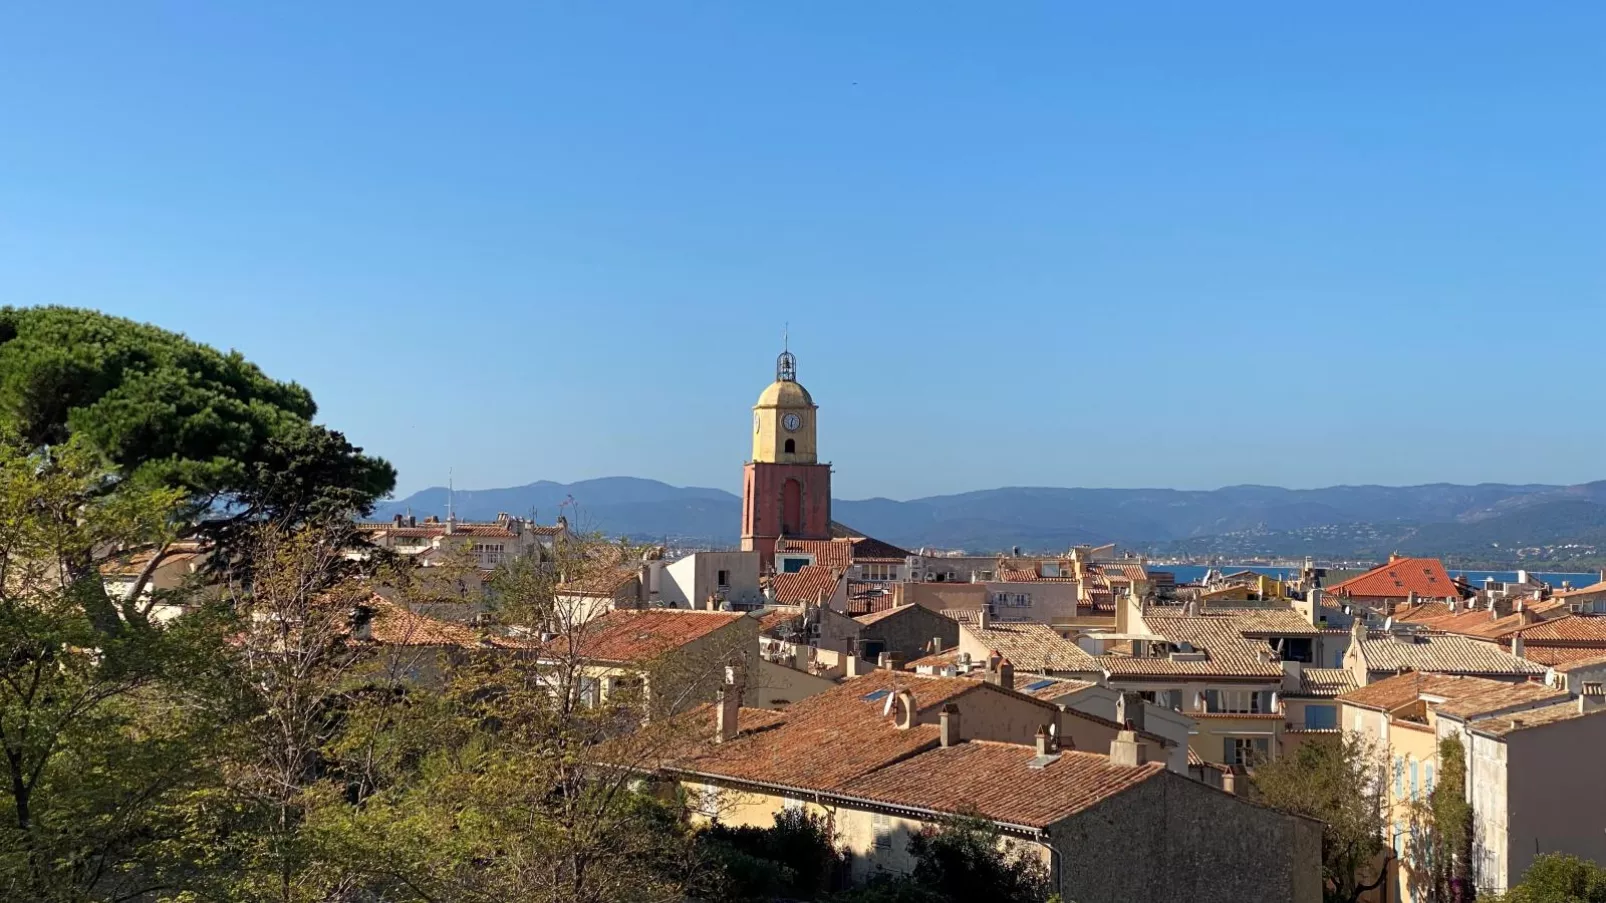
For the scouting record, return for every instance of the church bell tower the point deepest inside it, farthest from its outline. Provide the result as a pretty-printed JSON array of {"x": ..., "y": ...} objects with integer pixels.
[{"x": 785, "y": 490}]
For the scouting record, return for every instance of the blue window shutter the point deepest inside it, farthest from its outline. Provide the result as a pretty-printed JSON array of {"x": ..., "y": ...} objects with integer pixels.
[
  {"x": 1212, "y": 701},
  {"x": 1414, "y": 786},
  {"x": 1399, "y": 777}
]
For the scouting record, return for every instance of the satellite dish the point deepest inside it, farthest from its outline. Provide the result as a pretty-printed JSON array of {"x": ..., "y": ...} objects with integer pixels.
[{"x": 886, "y": 708}]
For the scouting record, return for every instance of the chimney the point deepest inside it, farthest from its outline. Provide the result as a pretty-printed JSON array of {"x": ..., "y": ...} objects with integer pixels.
[
  {"x": 1517, "y": 648},
  {"x": 1129, "y": 710},
  {"x": 396, "y": 521},
  {"x": 1591, "y": 700},
  {"x": 891, "y": 661},
  {"x": 936, "y": 645},
  {"x": 1315, "y": 599},
  {"x": 850, "y": 665},
  {"x": 1006, "y": 675},
  {"x": 948, "y": 725},
  {"x": 982, "y": 620},
  {"x": 412, "y": 521},
  {"x": 362, "y": 621},
  {"x": 1126, "y": 749},
  {"x": 1293, "y": 676},
  {"x": 1410, "y": 599},
  {"x": 1045, "y": 742},
  {"x": 727, "y": 709},
  {"x": 1229, "y": 782}
]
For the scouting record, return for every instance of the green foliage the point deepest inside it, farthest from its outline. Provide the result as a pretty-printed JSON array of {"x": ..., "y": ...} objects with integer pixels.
[
  {"x": 1440, "y": 853},
  {"x": 1556, "y": 878},
  {"x": 166, "y": 411},
  {"x": 100, "y": 746},
  {"x": 794, "y": 859},
  {"x": 962, "y": 859},
  {"x": 1334, "y": 781}
]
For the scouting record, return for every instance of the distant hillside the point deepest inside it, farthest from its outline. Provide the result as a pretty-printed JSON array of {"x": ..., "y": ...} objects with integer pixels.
[{"x": 1347, "y": 521}]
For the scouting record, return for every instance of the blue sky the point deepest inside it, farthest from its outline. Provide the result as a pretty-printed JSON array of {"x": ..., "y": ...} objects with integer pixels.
[{"x": 1029, "y": 243}]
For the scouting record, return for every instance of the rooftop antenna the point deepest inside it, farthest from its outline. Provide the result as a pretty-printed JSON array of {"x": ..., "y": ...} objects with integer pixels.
[{"x": 450, "y": 492}]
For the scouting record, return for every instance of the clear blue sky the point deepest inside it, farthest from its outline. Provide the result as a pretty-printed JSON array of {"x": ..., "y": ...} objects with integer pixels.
[{"x": 1051, "y": 243}]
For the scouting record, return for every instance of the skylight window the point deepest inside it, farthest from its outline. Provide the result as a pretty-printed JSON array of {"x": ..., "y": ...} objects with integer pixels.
[
  {"x": 1038, "y": 685},
  {"x": 879, "y": 694}
]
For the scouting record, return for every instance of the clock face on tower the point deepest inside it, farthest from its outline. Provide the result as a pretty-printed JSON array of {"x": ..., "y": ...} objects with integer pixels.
[{"x": 791, "y": 422}]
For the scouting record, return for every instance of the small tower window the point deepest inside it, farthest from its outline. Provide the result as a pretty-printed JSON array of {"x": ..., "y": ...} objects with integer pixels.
[{"x": 791, "y": 446}]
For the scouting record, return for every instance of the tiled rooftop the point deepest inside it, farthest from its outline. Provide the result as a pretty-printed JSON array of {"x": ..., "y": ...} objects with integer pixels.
[
  {"x": 1501, "y": 725},
  {"x": 1494, "y": 699},
  {"x": 1447, "y": 653},
  {"x": 629, "y": 635},
  {"x": 1228, "y": 652},
  {"x": 997, "y": 781},
  {"x": 1398, "y": 579},
  {"x": 1032, "y": 646},
  {"x": 809, "y": 585},
  {"x": 1324, "y": 683},
  {"x": 1391, "y": 693}
]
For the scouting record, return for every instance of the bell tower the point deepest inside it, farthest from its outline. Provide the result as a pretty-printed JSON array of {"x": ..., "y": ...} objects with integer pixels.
[{"x": 785, "y": 490}]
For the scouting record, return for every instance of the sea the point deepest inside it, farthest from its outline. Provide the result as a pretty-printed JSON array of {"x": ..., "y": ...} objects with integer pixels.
[{"x": 1192, "y": 573}]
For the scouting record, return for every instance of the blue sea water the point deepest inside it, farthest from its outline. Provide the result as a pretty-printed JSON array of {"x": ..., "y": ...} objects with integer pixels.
[{"x": 1191, "y": 573}]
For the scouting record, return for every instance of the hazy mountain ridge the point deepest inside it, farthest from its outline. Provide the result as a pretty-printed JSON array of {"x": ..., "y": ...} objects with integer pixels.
[{"x": 1339, "y": 520}]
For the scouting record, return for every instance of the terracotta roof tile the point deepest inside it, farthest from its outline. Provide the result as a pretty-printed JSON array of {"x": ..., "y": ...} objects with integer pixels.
[
  {"x": 1402, "y": 689},
  {"x": 997, "y": 781},
  {"x": 1032, "y": 646},
  {"x": 1561, "y": 656},
  {"x": 808, "y": 585},
  {"x": 1494, "y": 699},
  {"x": 1398, "y": 579},
  {"x": 1599, "y": 587},
  {"x": 1569, "y": 629},
  {"x": 1447, "y": 653},
  {"x": 630, "y": 635},
  {"x": 1582, "y": 662},
  {"x": 607, "y": 582},
  {"x": 1228, "y": 651},
  {"x": 823, "y": 741},
  {"x": 1323, "y": 683},
  {"x": 837, "y": 553},
  {"x": 780, "y": 617},
  {"x": 876, "y": 617},
  {"x": 1501, "y": 725},
  {"x": 393, "y": 625}
]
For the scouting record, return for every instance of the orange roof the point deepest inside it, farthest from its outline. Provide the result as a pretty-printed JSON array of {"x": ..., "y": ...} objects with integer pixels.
[
  {"x": 769, "y": 621},
  {"x": 132, "y": 562},
  {"x": 1403, "y": 689},
  {"x": 1398, "y": 579},
  {"x": 606, "y": 583},
  {"x": 997, "y": 780},
  {"x": 630, "y": 635},
  {"x": 806, "y": 585},
  {"x": 1599, "y": 587},
  {"x": 1583, "y": 661},
  {"x": 393, "y": 625},
  {"x": 1569, "y": 629},
  {"x": 1562, "y": 656},
  {"x": 837, "y": 553},
  {"x": 1495, "y": 699}
]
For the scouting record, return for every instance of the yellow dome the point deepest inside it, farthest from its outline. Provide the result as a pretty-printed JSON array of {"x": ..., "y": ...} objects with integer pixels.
[{"x": 785, "y": 393}]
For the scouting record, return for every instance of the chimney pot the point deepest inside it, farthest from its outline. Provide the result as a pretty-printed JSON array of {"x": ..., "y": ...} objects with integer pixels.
[
  {"x": 1126, "y": 749},
  {"x": 948, "y": 725},
  {"x": 1006, "y": 675},
  {"x": 727, "y": 712},
  {"x": 1045, "y": 741}
]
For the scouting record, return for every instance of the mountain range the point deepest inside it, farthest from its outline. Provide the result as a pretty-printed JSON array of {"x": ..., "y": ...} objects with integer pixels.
[{"x": 1488, "y": 520}]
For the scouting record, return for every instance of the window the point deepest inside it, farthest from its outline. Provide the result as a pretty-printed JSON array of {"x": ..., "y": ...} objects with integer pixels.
[
  {"x": 1427, "y": 781},
  {"x": 1399, "y": 777},
  {"x": 1247, "y": 750},
  {"x": 490, "y": 552},
  {"x": 791, "y": 446},
  {"x": 724, "y": 579},
  {"x": 1415, "y": 787},
  {"x": 1023, "y": 600},
  {"x": 876, "y": 571},
  {"x": 1320, "y": 717},
  {"x": 1000, "y": 598},
  {"x": 1236, "y": 702},
  {"x": 882, "y": 826},
  {"x": 793, "y": 565}
]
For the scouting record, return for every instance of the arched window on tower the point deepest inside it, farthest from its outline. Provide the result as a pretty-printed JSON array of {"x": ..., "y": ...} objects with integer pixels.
[{"x": 791, "y": 446}]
